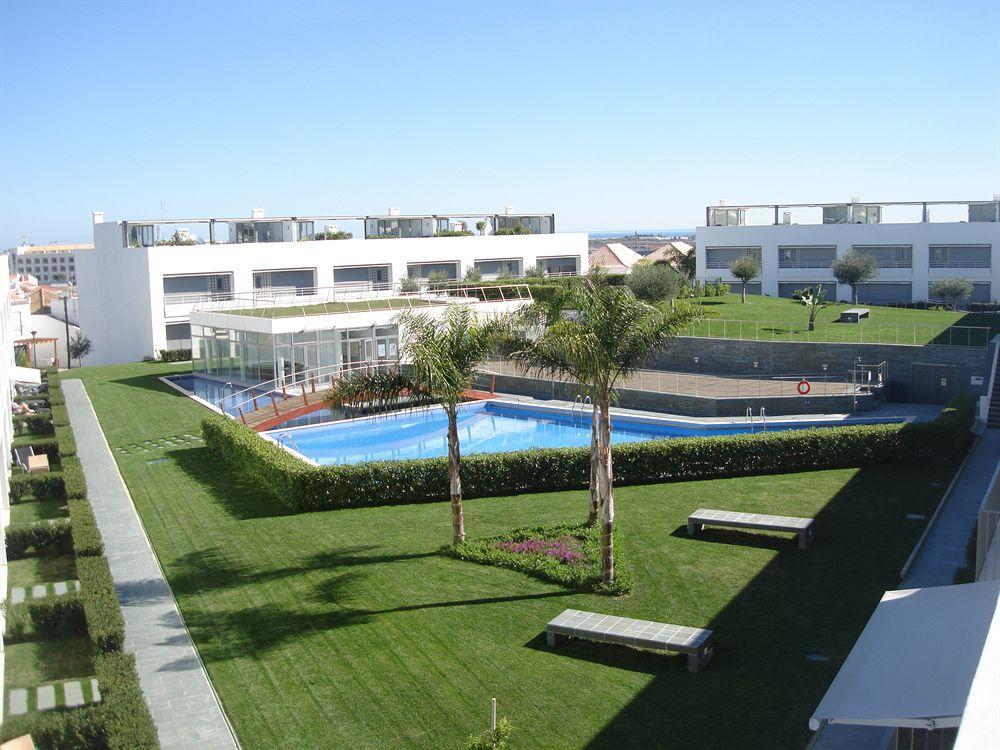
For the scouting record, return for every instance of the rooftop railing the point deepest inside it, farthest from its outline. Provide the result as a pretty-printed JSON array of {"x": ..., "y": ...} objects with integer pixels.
[
  {"x": 855, "y": 212},
  {"x": 269, "y": 303}
]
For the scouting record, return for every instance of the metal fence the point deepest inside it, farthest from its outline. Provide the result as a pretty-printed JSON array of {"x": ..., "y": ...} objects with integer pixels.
[{"x": 848, "y": 333}]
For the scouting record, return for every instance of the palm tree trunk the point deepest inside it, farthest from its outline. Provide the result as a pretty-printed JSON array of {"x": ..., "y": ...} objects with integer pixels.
[
  {"x": 454, "y": 480},
  {"x": 606, "y": 492},
  {"x": 595, "y": 458}
]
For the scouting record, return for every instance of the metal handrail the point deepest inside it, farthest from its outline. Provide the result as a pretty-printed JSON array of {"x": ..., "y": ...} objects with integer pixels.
[
  {"x": 318, "y": 300},
  {"x": 769, "y": 330}
]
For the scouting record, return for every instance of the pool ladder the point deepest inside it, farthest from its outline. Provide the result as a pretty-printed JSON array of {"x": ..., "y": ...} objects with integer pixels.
[
  {"x": 763, "y": 419},
  {"x": 284, "y": 437},
  {"x": 583, "y": 404}
]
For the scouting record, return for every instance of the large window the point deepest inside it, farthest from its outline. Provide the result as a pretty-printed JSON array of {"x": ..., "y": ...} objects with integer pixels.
[
  {"x": 363, "y": 278},
  {"x": 178, "y": 335},
  {"x": 889, "y": 256},
  {"x": 399, "y": 227},
  {"x": 497, "y": 268},
  {"x": 256, "y": 231},
  {"x": 960, "y": 256},
  {"x": 195, "y": 287},
  {"x": 884, "y": 293},
  {"x": 285, "y": 281},
  {"x": 787, "y": 289},
  {"x": 721, "y": 257},
  {"x": 424, "y": 270},
  {"x": 141, "y": 235},
  {"x": 981, "y": 292},
  {"x": 534, "y": 224},
  {"x": 560, "y": 266},
  {"x": 806, "y": 256}
]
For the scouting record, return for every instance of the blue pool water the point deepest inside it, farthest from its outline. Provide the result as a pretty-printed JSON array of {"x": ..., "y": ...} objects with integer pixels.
[
  {"x": 213, "y": 390},
  {"x": 484, "y": 427}
]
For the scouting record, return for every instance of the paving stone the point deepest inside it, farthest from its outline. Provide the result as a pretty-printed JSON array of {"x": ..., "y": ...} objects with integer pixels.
[
  {"x": 60, "y": 588},
  {"x": 40, "y": 591},
  {"x": 73, "y": 692},
  {"x": 46, "y": 697},
  {"x": 181, "y": 700},
  {"x": 95, "y": 690},
  {"x": 17, "y": 595},
  {"x": 17, "y": 703}
]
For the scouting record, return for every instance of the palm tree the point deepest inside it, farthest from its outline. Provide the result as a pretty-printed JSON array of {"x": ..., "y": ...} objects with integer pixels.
[
  {"x": 607, "y": 337},
  {"x": 439, "y": 356}
]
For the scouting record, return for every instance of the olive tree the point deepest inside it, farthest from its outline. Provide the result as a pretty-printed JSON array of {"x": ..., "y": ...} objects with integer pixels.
[
  {"x": 745, "y": 268},
  {"x": 955, "y": 290},
  {"x": 853, "y": 268},
  {"x": 655, "y": 282}
]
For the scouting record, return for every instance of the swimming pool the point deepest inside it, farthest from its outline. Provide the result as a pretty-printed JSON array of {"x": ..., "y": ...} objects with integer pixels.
[
  {"x": 213, "y": 391},
  {"x": 489, "y": 427}
]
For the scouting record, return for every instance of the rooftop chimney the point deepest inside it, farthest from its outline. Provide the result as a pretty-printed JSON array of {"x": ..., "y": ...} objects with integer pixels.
[
  {"x": 508, "y": 210},
  {"x": 393, "y": 212},
  {"x": 256, "y": 213},
  {"x": 855, "y": 199},
  {"x": 98, "y": 217}
]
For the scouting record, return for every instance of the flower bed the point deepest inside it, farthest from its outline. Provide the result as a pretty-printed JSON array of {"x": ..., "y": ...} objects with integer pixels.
[{"x": 567, "y": 555}]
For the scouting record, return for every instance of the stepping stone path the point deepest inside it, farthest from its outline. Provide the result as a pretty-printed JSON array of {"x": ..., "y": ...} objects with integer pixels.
[
  {"x": 19, "y": 594},
  {"x": 46, "y": 697},
  {"x": 169, "y": 442}
]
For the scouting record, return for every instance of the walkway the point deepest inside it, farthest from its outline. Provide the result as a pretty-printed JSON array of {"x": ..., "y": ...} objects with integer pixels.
[
  {"x": 181, "y": 699},
  {"x": 943, "y": 551}
]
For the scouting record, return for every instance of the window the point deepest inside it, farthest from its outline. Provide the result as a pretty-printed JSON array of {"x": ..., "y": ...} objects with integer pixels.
[
  {"x": 721, "y": 257},
  {"x": 960, "y": 256},
  {"x": 563, "y": 266},
  {"x": 889, "y": 256},
  {"x": 726, "y": 217},
  {"x": 298, "y": 280},
  {"x": 809, "y": 256},
  {"x": 534, "y": 224},
  {"x": 305, "y": 230},
  {"x": 141, "y": 235},
  {"x": 500, "y": 267},
  {"x": 424, "y": 270}
]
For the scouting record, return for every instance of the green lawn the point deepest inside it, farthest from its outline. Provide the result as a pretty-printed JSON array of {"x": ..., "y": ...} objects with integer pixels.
[
  {"x": 49, "y": 565},
  {"x": 44, "y": 660},
  {"x": 29, "y": 511},
  {"x": 327, "y": 308},
  {"x": 786, "y": 320},
  {"x": 348, "y": 629}
]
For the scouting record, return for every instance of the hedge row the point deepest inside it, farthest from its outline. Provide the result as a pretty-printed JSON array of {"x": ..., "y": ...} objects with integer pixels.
[
  {"x": 87, "y": 540},
  {"x": 67, "y": 441},
  {"x": 41, "y": 486},
  {"x": 306, "y": 488},
  {"x": 104, "y": 616},
  {"x": 38, "y": 424},
  {"x": 18, "y": 539},
  {"x": 47, "y": 445},
  {"x": 74, "y": 483},
  {"x": 60, "y": 415},
  {"x": 58, "y": 615},
  {"x": 175, "y": 355}
]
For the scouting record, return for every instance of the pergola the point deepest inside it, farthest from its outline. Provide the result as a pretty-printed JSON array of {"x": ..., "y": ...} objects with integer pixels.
[{"x": 32, "y": 343}]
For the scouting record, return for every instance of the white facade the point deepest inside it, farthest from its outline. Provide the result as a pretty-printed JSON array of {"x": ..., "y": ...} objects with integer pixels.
[
  {"x": 912, "y": 255},
  {"x": 135, "y": 301}
]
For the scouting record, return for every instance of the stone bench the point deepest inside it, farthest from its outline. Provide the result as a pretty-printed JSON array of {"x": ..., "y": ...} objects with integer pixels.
[
  {"x": 696, "y": 643},
  {"x": 705, "y": 517},
  {"x": 854, "y": 314}
]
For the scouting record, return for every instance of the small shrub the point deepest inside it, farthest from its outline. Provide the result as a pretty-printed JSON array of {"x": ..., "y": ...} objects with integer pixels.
[
  {"x": 36, "y": 424},
  {"x": 54, "y": 533},
  {"x": 100, "y": 604},
  {"x": 492, "y": 739},
  {"x": 126, "y": 719},
  {"x": 58, "y": 615},
  {"x": 87, "y": 540},
  {"x": 74, "y": 484},
  {"x": 17, "y": 622},
  {"x": 175, "y": 355},
  {"x": 78, "y": 729},
  {"x": 567, "y": 555}
]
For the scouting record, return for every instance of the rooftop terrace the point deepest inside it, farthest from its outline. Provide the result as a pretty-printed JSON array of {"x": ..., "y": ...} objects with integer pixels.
[{"x": 854, "y": 212}]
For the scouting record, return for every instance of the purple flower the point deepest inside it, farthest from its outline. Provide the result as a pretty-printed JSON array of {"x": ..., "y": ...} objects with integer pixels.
[{"x": 565, "y": 549}]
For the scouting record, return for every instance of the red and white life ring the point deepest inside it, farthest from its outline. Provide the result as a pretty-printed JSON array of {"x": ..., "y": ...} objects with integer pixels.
[{"x": 803, "y": 387}]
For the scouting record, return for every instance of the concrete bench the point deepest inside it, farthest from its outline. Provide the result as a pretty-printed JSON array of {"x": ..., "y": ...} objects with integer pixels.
[
  {"x": 705, "y": 517},
  {"x": 854, "y": 314},
  {"x": 696, "y": 643}
]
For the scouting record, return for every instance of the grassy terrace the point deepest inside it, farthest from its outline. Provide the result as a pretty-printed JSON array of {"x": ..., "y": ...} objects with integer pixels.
[
  {"x": 348, "y": 629},
  {"x": 329, "y": 308},
  {"x": 786, "y": 320}
]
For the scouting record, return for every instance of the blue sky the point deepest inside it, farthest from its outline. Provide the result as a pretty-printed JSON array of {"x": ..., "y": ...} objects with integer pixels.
[{"x": 611, "y": 115}]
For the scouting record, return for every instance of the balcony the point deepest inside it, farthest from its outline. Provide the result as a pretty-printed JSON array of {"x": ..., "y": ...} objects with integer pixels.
[
  {"x": 960, "y": 256},
  {"x": 853, "y": 212}
]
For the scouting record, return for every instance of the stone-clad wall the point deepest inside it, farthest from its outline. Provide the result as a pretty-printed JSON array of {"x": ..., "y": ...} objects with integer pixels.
[{"x": 729, "y": 357}]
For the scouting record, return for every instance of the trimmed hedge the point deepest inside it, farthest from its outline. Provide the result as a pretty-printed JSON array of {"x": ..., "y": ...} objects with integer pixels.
[
  {"x": 306, "y": 488},
  {"x": 87, "y": 540},
  {"x": 74, "y": 483},
  {"x": 66, "y": 440},
  {"x": 38, "y": 424},
  {"x": 79, "y": 729},
  {"x": 127, "y": 723},
  {"x": 19, "y": 539},
  {"x": 48, "y": 446},
  {"x": 60, "y": 415},
  {"x": 58, "y": 615},
  {"x": 41, "y": 486},
  {"x": 100, "y": 604},
  {"x": 175, "y": 355}
]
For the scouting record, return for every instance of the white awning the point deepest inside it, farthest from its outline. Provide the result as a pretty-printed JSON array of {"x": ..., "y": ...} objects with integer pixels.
[
  {"x": 915, "y": 661},
  {"x": 27, "y": 375}
]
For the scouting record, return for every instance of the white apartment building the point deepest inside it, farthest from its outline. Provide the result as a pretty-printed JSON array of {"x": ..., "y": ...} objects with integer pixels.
[
  {"x": 50, "y": 264},
  {"x": 913, "y": 242},
  {"x": 139, "y": 284}
]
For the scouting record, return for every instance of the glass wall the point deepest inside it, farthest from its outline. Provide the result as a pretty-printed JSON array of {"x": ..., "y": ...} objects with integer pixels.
[{"x": 247, "y": 357}]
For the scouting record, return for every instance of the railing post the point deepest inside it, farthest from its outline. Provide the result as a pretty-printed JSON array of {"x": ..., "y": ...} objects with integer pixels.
[
  {"x": 274, "y": 404},
  {"x": 240, "y": 410}
]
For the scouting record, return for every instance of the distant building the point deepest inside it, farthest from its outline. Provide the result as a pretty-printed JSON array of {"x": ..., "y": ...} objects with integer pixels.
[
  {"x": 614, "y": 257},
  {"x": 914, "y": 243},
  {"x": 49, "y": 264}
]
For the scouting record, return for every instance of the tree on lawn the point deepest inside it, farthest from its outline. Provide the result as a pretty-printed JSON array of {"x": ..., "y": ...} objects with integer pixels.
[
  {"x": 606, "y": 335},
  {"x": 439, "y": 355},
  {"x": 655, "y": 282},
  {"x": 745, "y": 268},
  {"x": 79, "y": 347},
  {"x": 955, "y": 290},
  {"x": 853, "y": 268},
  {"x": 814, "y": 300}
]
